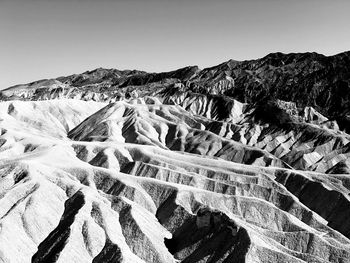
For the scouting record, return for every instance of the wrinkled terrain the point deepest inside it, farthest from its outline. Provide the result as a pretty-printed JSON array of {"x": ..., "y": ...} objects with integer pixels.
[{"x": 242, "y": 162}]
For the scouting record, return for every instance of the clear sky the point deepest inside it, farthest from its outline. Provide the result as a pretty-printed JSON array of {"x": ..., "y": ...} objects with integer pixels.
[{"x": 50, "y": 38}]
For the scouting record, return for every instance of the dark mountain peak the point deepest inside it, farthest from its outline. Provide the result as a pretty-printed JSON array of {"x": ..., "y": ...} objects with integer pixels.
[{"x": 280, "y": 59}]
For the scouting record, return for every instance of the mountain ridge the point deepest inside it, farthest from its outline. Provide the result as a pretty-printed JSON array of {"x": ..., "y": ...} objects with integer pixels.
[
  {"x": 344, "y": 53},
  {"x": 308, "y": 79}
]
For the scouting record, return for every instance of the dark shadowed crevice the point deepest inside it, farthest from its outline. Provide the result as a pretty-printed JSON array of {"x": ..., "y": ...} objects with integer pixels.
[
  {"x": 50, "y": 249},
  {"x": 210, "y": 235},
  {"x": 110, "y": 253}
]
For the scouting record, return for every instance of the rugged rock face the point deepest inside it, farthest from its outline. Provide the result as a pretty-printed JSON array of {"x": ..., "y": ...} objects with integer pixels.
[{"x": 185, "y": 166}]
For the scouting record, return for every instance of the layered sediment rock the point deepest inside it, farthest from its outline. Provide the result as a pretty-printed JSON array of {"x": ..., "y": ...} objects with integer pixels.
[{"x": 138, "y": 182}]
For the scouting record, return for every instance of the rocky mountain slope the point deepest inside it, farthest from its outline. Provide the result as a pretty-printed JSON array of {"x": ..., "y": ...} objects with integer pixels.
[{"x": 242, "y": 162}]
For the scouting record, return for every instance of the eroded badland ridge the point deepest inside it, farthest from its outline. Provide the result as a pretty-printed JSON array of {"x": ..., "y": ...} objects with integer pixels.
[{"x": 247, "y": 161}]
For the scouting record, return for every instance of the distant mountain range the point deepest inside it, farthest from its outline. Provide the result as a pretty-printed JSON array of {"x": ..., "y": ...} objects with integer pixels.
[{"x": 309, "y": 79}]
